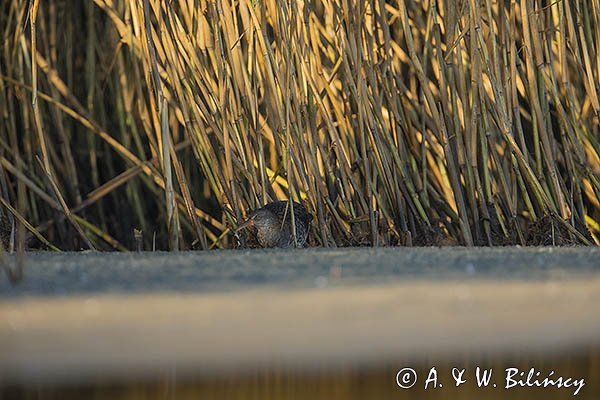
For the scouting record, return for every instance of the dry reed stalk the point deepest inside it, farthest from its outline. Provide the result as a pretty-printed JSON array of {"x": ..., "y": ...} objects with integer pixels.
[{"x": 409, "y": 123}]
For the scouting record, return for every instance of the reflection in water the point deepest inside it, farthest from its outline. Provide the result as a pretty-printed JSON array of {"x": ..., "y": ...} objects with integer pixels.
[{"x": 376, "y": 382}]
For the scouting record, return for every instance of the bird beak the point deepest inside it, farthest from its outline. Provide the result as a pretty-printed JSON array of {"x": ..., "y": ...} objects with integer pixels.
[{"x": 246, "y": 224}]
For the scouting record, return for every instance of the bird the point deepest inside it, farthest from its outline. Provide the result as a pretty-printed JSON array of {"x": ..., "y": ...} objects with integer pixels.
[
  {"x": 271, "y": 225},
  {"x": 5, "y": 231}
]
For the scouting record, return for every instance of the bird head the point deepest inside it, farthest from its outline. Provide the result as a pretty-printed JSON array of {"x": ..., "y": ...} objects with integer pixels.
[
  {"x": 259, "y": 219},
  {"x": 246, "y": 224}
]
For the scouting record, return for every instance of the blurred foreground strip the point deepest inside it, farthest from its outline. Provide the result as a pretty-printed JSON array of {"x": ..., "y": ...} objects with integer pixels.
[{"x": 119, "y": 337}]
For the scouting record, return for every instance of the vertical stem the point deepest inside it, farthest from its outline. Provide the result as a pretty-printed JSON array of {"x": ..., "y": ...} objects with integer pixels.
[{"x": 163, "y": 111}]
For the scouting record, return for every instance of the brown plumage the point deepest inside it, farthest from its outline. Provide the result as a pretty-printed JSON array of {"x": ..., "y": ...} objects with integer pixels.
[
  {"x": 271, "y": 225},
  {"x": 5, "y": 231}
]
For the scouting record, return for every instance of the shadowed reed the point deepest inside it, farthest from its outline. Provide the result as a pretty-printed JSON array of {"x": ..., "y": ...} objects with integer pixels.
[{"x": 394, "y": 123}]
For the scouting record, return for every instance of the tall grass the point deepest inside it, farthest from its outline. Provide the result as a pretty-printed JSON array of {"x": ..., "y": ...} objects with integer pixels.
[{"x": 396, "y": 123}]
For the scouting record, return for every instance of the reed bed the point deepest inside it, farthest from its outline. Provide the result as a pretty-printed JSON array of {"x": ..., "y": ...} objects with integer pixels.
[{"x": 159, "y": 124}]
